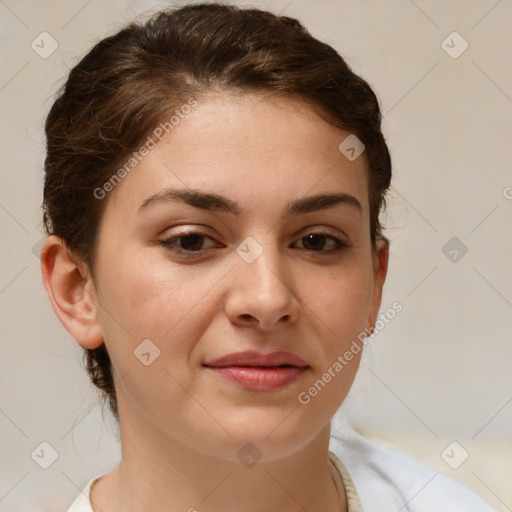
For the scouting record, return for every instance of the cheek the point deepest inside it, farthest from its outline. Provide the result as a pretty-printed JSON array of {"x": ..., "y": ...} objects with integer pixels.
[
  {"x": 339, "y": 308},
  {"x": 341, "y": 301},
  {"x": 139, "y": 291},
  {"x": 145, "y": 298}
]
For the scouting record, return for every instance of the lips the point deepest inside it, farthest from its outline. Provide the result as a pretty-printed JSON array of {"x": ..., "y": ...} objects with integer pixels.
[
  {"x": 259, "y": 372},
  {"x": 255, "y": 359}
]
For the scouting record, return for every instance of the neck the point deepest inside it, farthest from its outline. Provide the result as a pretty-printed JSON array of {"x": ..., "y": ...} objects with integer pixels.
[{"x": 157, "y": 473}]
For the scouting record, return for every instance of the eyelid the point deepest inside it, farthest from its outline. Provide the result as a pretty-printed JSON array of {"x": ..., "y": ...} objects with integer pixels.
[
  {"x": 169, "y": 243},
  {"x": 331, "y": 232},
  {"x": 340, "y": 237},
  {"x": 340, "y": 244}
]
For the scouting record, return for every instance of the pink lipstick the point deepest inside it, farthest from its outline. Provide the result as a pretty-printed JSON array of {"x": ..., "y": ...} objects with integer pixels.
[{"x": 259, "y": 372}]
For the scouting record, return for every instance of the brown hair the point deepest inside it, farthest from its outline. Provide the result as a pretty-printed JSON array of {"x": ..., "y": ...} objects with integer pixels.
[{"x": 130, "y": 81}]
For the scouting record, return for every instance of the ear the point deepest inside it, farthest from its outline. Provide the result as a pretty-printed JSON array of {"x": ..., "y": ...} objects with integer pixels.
[
  {"x": 380, "y": 269},
  {"x": 71, "y": 291}
]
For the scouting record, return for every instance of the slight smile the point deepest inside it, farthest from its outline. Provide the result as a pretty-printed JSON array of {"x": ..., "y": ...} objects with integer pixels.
[{"x": 259, "y": 372}]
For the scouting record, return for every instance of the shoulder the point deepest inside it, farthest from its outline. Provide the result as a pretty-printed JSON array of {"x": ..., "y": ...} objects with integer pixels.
[
  {"x": 83, "y": 502},
  {"x": 387, "y": 479}
]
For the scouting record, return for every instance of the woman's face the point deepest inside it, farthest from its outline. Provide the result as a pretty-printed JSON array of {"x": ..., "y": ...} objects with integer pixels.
[{"x": 244, "y": 261}]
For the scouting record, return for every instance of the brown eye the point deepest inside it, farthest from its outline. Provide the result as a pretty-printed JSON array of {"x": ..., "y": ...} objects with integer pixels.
[
  {"x": 192, "y": 242},
  {"x": 314, "y": 242},
  {"x": 317, "y": 242}
]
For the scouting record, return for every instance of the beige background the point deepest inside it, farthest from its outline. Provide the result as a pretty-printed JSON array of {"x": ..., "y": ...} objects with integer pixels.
[{"x": 438, "y": 372}]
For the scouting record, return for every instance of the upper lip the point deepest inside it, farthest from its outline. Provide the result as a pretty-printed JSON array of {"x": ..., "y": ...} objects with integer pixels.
[{"x": 252, "y": 358}]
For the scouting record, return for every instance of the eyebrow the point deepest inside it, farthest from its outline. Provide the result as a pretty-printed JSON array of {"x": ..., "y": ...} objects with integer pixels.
[{"x": 215, "y": 202}]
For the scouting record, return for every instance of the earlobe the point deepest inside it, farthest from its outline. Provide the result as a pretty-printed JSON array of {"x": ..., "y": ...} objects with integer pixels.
[{"x": 71, "y": 292}]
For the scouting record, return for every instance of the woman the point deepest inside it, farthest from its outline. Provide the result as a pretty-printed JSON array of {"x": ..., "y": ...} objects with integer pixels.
[{"x": 213, "y": 185}]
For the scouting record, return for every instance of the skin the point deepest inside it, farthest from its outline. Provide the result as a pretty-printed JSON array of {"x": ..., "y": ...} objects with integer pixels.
[{"x": 181, "y": 424}]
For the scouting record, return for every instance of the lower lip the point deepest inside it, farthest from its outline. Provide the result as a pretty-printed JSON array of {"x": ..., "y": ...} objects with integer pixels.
[{"x": 260, "y": 379}]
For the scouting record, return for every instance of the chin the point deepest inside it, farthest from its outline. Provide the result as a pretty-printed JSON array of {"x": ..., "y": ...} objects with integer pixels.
[{"x": 266, "y": 438}]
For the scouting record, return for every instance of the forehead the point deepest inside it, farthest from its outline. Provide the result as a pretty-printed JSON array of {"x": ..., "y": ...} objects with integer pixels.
[{"x": 250, "y": 147}]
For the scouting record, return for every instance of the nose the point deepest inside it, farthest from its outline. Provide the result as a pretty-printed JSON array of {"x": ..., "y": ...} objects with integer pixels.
[{"x": 261, "y": 293}]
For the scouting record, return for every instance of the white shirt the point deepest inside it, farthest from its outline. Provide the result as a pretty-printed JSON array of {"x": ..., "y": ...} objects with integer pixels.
[{"x": 378, "y": 479}]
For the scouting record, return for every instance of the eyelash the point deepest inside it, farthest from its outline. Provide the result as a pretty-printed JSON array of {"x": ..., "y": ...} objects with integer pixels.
[{"x": 170, "y": 244}]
